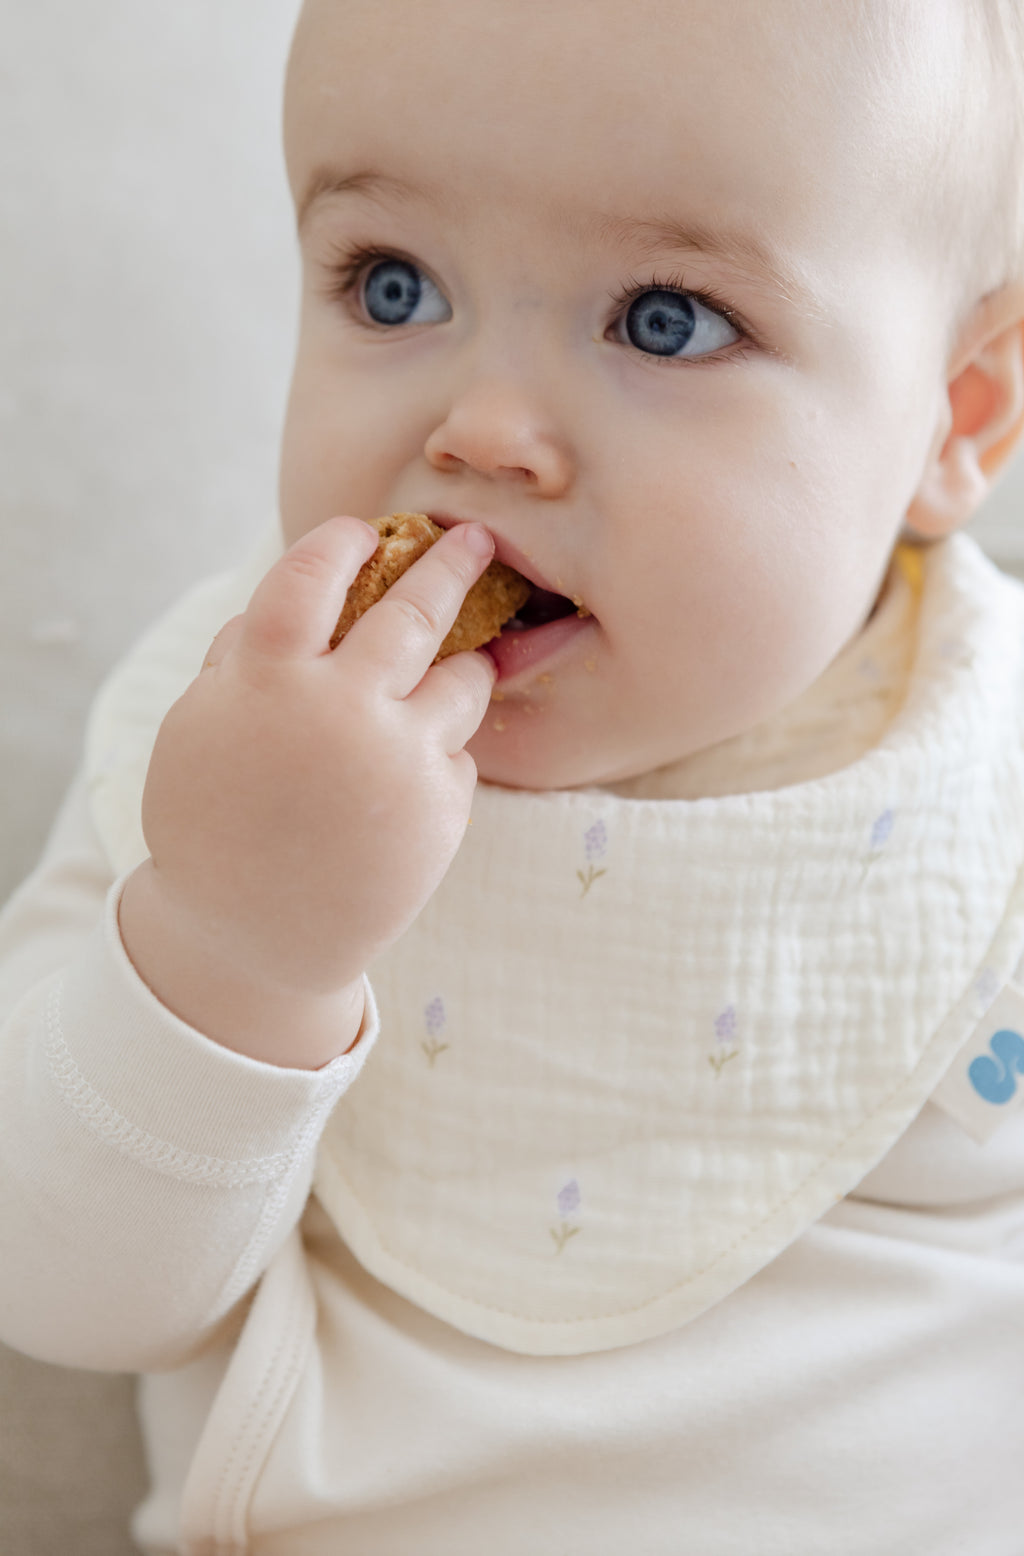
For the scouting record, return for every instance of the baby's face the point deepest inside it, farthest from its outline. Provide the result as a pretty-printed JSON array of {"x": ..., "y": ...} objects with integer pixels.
[{"x": 636, "y": 286}]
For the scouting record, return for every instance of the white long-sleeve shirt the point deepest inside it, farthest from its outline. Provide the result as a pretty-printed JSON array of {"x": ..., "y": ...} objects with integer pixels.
[{"x": 862, "y": 1393}]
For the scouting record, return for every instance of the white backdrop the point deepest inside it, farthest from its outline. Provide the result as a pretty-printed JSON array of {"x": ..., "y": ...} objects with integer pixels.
[
  {"x": 148, "y": 289},
  {"x": 148, "y": 284}
]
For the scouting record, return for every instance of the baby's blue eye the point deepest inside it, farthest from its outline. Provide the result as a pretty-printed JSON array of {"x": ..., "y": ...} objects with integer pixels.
[
  {"x": 661, "y": 323},
  {"x": 395, "y": 292}
]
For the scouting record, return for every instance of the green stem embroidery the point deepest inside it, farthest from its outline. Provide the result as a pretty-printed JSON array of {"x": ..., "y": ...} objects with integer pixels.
[
  {"x": 718, "y": 1061},
  {"x": 588, "y": 880},
  {"x": 562, "y": 1235},
  {"x": 432, "y": 1050}
]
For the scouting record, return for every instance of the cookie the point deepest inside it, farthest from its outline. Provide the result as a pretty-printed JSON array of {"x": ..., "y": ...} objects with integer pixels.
[{"x": 494, "y": 599}]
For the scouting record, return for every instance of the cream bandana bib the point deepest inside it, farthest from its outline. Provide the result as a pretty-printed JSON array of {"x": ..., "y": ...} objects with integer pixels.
[{"x": 634, "y": 1047}]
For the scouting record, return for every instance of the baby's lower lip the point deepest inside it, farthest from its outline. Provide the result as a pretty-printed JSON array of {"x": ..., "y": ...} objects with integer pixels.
[{"x": 513, "y": 651}]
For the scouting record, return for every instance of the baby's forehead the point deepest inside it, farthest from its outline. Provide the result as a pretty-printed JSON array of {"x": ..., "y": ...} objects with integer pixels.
[
  {"x": 825, "y": 113},
  {"x": 790, "y": 59}
]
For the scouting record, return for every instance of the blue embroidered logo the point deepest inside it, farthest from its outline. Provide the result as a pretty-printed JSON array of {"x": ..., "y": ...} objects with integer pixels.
[{"x": 993, "y": 1079}]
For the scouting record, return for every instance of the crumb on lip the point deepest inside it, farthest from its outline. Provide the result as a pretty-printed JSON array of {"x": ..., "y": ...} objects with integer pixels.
[{"x": 581, "y": 609}]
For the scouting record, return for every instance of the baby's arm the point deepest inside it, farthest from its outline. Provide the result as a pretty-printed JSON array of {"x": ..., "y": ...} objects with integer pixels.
[
  {"x": 302, "y": 805},
  {"x": 147, "y": 1174}
]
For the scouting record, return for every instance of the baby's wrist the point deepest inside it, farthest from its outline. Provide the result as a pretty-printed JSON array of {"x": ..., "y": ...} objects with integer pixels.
[{"x": 227, "y": 1004}]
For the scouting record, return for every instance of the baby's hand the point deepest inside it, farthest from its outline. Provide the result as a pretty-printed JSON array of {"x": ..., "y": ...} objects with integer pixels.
[{"x": 302, "y": 805}]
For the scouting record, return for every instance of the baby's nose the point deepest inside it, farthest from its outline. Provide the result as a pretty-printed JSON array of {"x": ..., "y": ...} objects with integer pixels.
[{"x": 493, "y": 429}]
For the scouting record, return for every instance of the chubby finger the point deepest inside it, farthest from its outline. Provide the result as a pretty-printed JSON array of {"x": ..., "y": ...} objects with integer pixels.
[
  {"x": 455, "y": 694},
  {"x": 399, "y": 636},
  {"x": 294, "y": 607}
]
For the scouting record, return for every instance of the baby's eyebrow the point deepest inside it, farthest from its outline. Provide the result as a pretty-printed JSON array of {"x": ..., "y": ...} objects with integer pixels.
[
  {"x": 327, "y": 181},
  {"x": 754, "y": 258}
]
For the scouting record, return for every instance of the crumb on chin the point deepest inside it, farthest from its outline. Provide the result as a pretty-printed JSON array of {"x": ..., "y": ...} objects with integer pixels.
[
  {"x": 546, "y": 679},
  {"x": 497, "y": 695},
  {"x": 498, "y": 726},
  {"x": 590, "y": 665}
]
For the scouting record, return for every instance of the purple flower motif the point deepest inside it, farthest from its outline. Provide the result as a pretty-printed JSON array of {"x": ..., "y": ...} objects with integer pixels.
[
  {"x": 434, "y": 1016},
  {"x": 987, "y": 985},
  {"x": 595, "y": 840},
  {"x": 568, "y": 1199},
  {"x": 882, "y": 829},
  {"x": 725, "y": 1025}
]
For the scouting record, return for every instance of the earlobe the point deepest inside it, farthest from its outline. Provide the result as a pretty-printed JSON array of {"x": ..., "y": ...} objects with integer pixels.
[
  {"x": 952, "y": 487},
  {"x": 983, "y": 420}
]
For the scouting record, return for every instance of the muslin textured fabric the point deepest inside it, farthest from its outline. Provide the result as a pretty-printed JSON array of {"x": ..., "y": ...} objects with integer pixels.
[
  {"x": 719, "y": 1043},
  {"x": 820, "y": 1392}
]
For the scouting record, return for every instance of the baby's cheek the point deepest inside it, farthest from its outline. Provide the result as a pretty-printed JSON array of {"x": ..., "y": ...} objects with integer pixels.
[
  {"x": 306, "y": 477},
  {"x": 725, "y": 656}
]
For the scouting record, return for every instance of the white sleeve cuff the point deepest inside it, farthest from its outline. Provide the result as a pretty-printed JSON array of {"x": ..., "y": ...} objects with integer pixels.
[{"x": 162, "y": 1091}]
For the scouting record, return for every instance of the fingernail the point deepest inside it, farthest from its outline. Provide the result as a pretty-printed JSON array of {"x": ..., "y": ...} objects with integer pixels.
[{"x": 477, "y": 539}]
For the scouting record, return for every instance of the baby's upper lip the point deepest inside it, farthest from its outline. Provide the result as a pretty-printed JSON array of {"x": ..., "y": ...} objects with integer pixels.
[{"x": 504, "y": 550}]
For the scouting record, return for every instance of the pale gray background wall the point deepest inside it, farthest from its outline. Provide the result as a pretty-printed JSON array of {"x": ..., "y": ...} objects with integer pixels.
[
  {"x": 147, "y": 295},
  {"x": 148, "y": 287}
]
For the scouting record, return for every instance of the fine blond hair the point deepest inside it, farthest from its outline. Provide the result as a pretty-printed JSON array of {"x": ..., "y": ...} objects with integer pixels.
[{"x": 983, "y": 214}]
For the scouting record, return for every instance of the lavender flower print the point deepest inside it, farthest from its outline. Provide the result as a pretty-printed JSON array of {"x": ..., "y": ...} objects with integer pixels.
[
  {"x": 725, "y": 1040},
  {"x": 434, "y": 1018},
  {"x": 568, "y": 1199},
  {"x": 955, "y": 652},
  {"x": 986, "y": 987},
  {"x": 595, "y": 844},
  {"x": 568, "y": 1202},
  {"x": 881, "y": 832},
  {"x": 882, "y": 829}
]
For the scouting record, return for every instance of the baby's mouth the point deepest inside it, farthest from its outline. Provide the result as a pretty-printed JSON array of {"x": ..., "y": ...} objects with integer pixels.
[
  {"x": 542, "y": 627},
  {"x": 541, "y": 607}
]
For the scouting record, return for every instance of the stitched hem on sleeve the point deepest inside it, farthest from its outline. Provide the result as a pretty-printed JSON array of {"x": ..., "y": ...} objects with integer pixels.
[{"x": 158, "y": 1090}]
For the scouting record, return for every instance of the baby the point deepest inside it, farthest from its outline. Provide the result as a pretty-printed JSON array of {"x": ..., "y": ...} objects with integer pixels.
[{"x": 669, "y": 1211}]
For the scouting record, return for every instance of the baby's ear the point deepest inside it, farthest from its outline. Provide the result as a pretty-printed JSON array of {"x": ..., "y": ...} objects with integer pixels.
[{"x": 984, "y": 420}]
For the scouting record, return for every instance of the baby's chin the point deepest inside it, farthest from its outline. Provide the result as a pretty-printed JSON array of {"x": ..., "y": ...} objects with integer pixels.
[{"x": 518, "y": 759}]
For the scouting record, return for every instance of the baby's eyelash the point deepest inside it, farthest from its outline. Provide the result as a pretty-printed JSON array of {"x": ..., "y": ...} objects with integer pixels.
[
  {"x": 635, "y": 287},
  {"x": 347, "y": 265}
]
